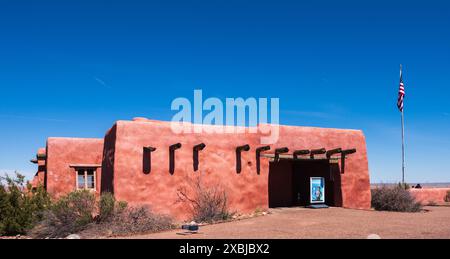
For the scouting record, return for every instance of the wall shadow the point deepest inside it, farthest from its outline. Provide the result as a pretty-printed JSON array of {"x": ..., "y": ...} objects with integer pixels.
[{"x": 107, "y": 178}]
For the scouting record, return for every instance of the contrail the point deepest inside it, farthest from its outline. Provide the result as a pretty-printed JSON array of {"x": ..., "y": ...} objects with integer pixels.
[{"x": 101, "y": 82}]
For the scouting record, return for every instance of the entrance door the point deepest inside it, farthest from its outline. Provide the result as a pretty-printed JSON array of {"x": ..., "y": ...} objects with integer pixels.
[
  {"x": 289, "y": 182},
  {"x": 303, "y": 170}
]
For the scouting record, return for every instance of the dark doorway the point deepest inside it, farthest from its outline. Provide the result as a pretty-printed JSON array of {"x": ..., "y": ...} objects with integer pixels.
[{"x": 289, "y": 182}]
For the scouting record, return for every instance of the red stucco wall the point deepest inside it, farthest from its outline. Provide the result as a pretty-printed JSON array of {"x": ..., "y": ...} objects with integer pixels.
[
  {"x": 425, "y": 196},
  {"x": 246, "y": 191},
  {"x": 61, "y": 152}
]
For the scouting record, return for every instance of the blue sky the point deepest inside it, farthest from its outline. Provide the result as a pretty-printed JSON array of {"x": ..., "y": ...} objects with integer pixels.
[{"x": 71, "y": 68}]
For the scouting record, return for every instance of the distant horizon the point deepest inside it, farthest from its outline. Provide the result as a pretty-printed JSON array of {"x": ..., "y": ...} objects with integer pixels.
[{"x": 421, "y": 183}]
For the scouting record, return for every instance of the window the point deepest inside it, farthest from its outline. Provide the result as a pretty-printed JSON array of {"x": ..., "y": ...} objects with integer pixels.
[{"x": 86, "y": 179}]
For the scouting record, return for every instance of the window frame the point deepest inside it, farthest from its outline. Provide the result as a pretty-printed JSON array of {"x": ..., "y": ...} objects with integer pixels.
[{"x": 85, "y": 176}]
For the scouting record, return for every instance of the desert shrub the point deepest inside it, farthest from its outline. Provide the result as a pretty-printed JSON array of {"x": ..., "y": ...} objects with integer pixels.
[
  {"x": 134, "y": 220},
  {"x": 394, "y": 199},
  {"x": 70, "y": 214},
  {"x": 106, "y": 206},
  {"x": 447, "y": 197},
  {"x": 20, "y": 207},
  {"x": 208, "y": 204},
  {"x": 74, "y": 213},
  {"x": 109, "y": 207},
  {"x": 404, "y": 186},
  {"x": 40, "y": 202},
  {"x": 117, "y": 218}
]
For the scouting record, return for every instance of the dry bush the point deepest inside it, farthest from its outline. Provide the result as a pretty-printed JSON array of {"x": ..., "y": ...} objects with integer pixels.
[
  {"x": 447, "y": 197},
  {"x": 404, "y": 186},
  {"x": 74, "y": 212},
  {"x": 117, "y": 218},
  {"x": 70, "y": 214},
  {"x": 394, "y": 199},
  {"x": 208, "y": 204},
  {"x": 135, "y": 220}
]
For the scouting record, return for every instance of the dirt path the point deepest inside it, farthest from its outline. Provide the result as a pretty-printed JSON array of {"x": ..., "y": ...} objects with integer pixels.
[{"x": 327, "y": 223}]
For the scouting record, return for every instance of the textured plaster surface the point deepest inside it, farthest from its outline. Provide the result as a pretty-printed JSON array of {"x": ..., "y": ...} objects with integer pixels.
[
  {"x": 61, "y": 153},
  {"x": 246, "y": 191}
]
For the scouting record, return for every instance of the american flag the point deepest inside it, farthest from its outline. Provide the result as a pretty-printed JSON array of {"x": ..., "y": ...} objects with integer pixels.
[{"x": 401, "y": 93}]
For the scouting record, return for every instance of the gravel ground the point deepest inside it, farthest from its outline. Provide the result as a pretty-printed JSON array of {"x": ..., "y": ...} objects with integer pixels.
[{"x": 326, "y": 223}]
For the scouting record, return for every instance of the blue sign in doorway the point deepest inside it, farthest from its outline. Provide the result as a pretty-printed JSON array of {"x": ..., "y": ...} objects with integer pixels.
[{"x": 317, "y": 190}]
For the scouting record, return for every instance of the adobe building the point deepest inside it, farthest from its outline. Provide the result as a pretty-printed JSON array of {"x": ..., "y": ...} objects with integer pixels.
[
  {"x": 68, "y": 164},
  {"x": 144, "y": 162}
]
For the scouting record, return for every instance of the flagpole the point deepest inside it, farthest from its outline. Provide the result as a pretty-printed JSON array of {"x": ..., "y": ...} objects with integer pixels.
[
  {"x": 403, "y": 150},
  {"x": 403, "y": 140}
]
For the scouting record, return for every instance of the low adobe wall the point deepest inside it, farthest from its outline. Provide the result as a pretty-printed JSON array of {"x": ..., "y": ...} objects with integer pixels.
[{"x": 425, "y": 196}]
